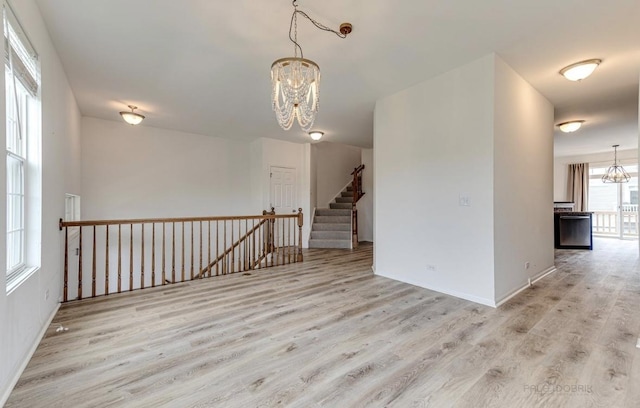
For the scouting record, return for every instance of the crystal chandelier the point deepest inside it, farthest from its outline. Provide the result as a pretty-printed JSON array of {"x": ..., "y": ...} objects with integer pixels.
[
  {"x": 295, "y": 81},
  {"x": 616, "y": 173}
]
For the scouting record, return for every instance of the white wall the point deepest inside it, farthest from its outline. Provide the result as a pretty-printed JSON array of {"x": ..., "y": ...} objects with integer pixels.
[
  {"x": 560, "y": 167},
  {"x": 313, "y": 182},
  {"x": 365, "y": 205},
  {"x": 432, "y": 143},
  {"x": 477, "y": 135},
  {"x": 24, "y": 314},
  {"x": 334, "y": 164},
  {"x": 523, "y": 177},
  {"x": 145, "y": 172}
]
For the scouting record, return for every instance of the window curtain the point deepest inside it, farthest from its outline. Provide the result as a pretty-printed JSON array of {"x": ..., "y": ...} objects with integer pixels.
[{"x": 578, "y": 186}]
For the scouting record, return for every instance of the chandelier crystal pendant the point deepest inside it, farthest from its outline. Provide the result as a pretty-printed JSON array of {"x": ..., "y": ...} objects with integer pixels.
[
  {"x": 295, "y": 81},
  {"x": 616, "y": 173}
]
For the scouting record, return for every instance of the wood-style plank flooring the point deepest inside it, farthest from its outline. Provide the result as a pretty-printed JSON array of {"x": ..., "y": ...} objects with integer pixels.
[{"x": 328, "y": 333}]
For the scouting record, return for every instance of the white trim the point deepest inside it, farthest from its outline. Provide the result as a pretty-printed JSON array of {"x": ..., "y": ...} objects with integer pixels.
[
  {"x": 17, "y": 279},
  {"x": 312, "y": 219},
  {"x": 32, "y": 350},
  {"x": 461, "y": 295},
  {"x": 339, "y": 193},
  {"x": 534, "y": 279}
]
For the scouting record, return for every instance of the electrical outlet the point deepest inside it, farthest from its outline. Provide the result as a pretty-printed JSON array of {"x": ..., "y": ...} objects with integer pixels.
[
  {"x": 46, "y": 294},
  {"x": 431, "y": 268},
  {"x": 464, "y": 200}
]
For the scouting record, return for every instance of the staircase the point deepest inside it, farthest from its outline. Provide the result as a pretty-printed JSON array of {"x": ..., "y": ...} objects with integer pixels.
[{"x": 332, "y": 226}]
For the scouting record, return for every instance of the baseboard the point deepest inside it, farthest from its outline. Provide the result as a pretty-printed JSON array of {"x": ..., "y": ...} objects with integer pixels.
[
  {"x": 32, "y": 350},
  {"x": 461, "y": 295},
  {"x": 534, "y": 279}
]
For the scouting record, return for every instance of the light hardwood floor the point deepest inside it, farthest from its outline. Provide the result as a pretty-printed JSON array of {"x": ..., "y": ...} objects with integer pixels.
[{"x": 328, "y": 333}]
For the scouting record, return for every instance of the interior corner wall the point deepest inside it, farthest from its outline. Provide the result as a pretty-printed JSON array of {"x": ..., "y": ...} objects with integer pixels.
[
  {"x": 365, "y": 205},
  {"x": 334, "y": 165},
  {"x": 313, "y": 164},
  {"x": 146, "y": 172},
  {"x": 26, "y": 312},
  {"x": 433, "y": 149},
  {"x": 523, "y": 182}
]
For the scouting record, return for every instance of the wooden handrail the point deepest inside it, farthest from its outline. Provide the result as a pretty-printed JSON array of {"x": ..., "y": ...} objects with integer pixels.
[
  {"x": 114, "y": 256},
  {"x": 62, "y": 223},
  {"x": 358, "y": 169}
]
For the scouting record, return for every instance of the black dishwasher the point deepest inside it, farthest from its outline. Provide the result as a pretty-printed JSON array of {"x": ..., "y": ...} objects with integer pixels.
[{"x": 573, "y": 230}]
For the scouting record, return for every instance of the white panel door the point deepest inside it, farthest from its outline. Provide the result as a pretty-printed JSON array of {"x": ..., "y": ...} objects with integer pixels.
[{"x": 283, "y": 190}]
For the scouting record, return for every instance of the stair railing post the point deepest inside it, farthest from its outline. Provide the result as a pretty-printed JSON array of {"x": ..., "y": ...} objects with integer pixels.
[
  {"x": 265, "y": 234},
  {"x": 272, "y": 232},
  {"x": 300, "y": 222},
  {"x": 354, "y": 209}
]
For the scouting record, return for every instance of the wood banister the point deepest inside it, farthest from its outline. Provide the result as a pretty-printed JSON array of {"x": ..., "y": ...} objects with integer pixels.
[
  {"x": 185, "y": 248},
  {"x": 231, "y": 248}
]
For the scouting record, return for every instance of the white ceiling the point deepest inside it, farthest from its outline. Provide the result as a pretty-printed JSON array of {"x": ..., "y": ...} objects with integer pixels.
[{"x": 203, "y": 66}]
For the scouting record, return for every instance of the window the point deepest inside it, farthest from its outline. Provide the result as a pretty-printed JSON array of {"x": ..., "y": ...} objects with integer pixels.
[
  {"x": 614, "y": 205},
  {"x": 22, "y": 83}
]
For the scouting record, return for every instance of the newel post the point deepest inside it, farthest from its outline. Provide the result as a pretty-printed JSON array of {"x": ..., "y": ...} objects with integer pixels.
[{"x": 300, "y": 222}]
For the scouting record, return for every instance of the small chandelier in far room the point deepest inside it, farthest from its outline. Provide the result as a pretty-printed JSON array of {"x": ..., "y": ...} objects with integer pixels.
[
  {"x": 132, "y": 117},
  {"x": 295, "y": 81},
  {"x": 616, "y": 173}
]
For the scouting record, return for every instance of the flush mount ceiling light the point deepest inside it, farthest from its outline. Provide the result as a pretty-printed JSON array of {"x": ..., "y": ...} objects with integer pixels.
[
  {"x": 616, "y": 173},
  {"x": 295, "y": 81},
  {"x": 132, "y": 118},
  {"x": 572, "y": 126},
  {"x": 580, "y": 70},
  {"x": 316, "y": 135}
]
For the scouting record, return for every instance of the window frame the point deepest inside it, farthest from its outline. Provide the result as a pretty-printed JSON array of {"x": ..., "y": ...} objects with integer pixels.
[{"x": 23, "y": 124}]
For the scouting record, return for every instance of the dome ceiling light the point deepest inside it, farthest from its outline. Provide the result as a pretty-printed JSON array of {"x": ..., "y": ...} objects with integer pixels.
[
  {"x": 132, "y": 117},
  {"x": 316, "y": 135},
  {"x": 572, "y": 126},
  {"x": 580, "y": 70}
]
